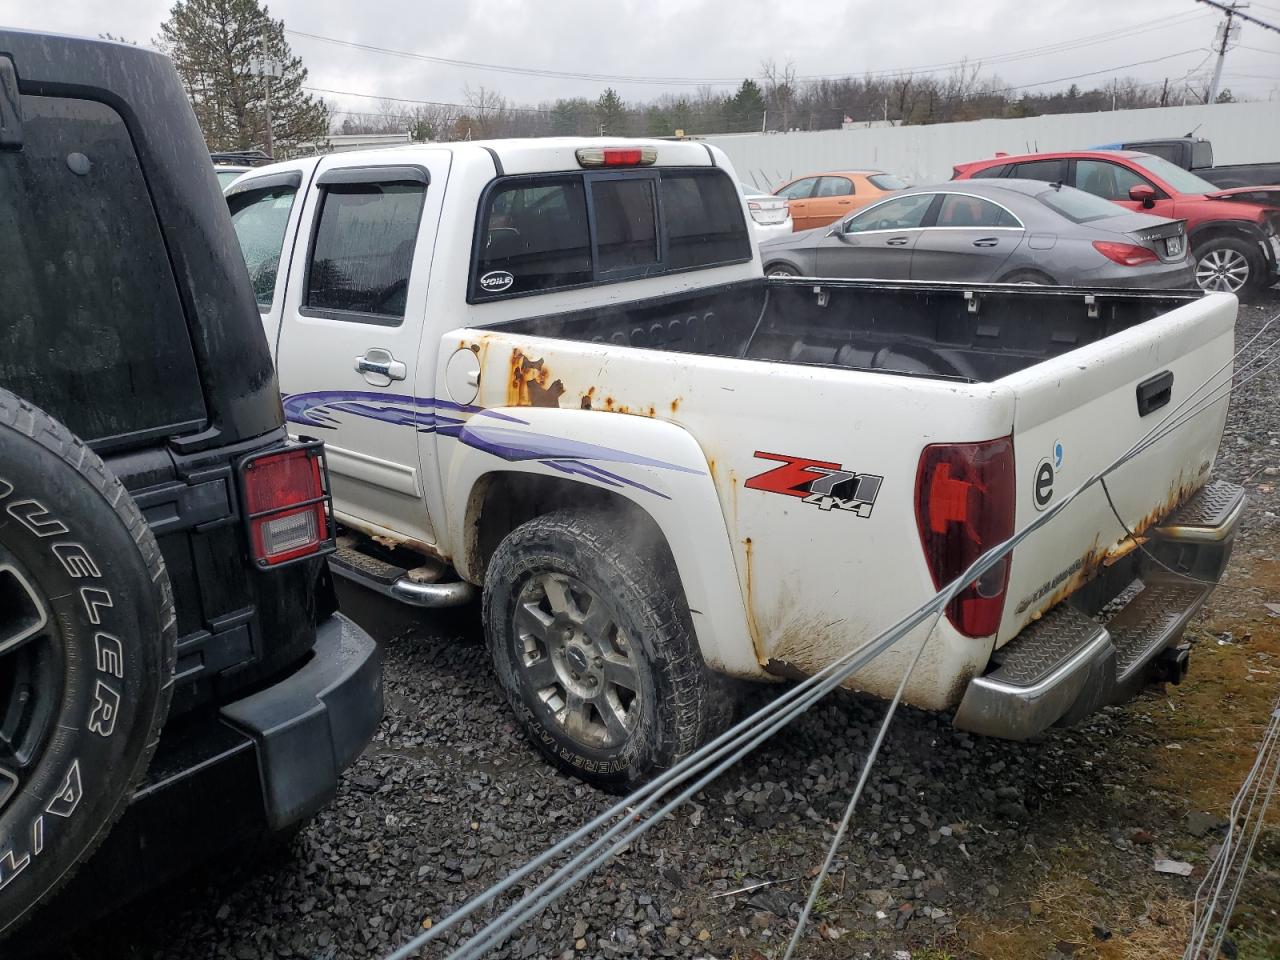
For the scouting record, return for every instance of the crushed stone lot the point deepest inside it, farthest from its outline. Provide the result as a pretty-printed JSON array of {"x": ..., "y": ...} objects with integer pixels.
[{"x": 963, "y": 847}]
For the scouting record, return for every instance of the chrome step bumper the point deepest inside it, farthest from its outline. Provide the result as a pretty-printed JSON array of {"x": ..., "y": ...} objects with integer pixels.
[{"x": 1066, "y": 665}]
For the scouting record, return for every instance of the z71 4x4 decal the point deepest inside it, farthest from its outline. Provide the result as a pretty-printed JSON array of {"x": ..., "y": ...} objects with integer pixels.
[{"x": 825, "y": 484}]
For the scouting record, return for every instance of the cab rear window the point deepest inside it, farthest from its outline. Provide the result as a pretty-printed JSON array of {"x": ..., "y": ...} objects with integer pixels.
[{"x": 552, "y": 232}]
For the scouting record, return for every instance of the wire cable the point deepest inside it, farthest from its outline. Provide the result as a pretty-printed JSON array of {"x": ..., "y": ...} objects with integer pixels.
[
  {"x": 778, "y": 712},
  {"x": 863, "y": 777},
  {"x": 601, "y": 77}
]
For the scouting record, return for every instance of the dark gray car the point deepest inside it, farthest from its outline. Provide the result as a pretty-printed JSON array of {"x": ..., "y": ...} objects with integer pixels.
[{"x": 1007, "y": 231}]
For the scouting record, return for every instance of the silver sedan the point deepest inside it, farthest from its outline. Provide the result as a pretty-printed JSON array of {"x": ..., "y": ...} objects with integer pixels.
[{"x": 1006, "y": 231}]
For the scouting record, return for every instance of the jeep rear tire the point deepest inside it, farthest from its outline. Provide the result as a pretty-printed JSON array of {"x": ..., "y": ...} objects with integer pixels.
[
  {"x": 594, "y": 648},
  {"x": 87, "y": 646}
]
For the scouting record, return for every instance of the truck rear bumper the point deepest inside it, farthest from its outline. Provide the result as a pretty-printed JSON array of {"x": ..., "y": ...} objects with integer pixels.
[{"x": 1068, "y": 664}]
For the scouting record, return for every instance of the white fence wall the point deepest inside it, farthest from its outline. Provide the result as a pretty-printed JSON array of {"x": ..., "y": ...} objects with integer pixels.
[{"x": 1241, "y": 133}]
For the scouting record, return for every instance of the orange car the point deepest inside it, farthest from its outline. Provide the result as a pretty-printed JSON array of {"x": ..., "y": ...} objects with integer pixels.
[{"x": 823, "y": 198}]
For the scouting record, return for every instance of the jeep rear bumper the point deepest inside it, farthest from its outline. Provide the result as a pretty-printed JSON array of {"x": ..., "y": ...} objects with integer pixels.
[
  {"x": 223, "y": 781},
  {"x": 1067, "y": 664},
  {"x": 312, "y": 725}
]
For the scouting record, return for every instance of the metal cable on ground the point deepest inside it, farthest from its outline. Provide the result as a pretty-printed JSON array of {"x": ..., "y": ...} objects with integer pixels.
[
  {"x": 725, "y": 742},
  {"x": 529, "y": 906},
  {"x": 863, "y": 776},
  {"x": 545, "y": 889},
  {"x": 1253, "y": 798},
  {"x": 781, "y": 711},
  {"x": 838, "y": 838}
]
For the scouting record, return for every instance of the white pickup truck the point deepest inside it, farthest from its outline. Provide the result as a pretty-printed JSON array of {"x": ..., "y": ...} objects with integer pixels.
[{"x": 552, "y": 369}]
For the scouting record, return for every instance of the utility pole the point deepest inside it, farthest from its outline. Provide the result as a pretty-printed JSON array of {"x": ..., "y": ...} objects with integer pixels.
[
  {"x": 268, "y": 70},
  {"x": 1227, "y": 28}
]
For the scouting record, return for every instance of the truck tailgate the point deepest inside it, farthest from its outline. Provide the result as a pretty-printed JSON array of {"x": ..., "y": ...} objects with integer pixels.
[{"x": 1077, "y": 412}]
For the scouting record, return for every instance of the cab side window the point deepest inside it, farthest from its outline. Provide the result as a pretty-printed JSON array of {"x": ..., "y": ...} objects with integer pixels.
[
  {"x": 260, "y": 218},
  {"x": 363, "y": 250}
]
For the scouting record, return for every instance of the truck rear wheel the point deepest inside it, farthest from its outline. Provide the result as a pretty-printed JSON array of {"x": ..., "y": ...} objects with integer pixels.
[
  {"x": 595, "y": 650},
  {"x": 87, "y": 646}
]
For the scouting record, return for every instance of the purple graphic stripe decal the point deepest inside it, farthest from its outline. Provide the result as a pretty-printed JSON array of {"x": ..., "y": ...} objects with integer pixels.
[
  {"x": 522, "y": 445},
  {"x": 317, "y": 408},
  {"x": 592, "y": 472},
  {"x": 320, "y": 408}
]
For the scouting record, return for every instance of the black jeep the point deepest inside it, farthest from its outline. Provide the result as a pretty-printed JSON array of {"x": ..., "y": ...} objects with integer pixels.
[{"x": 174, "y": 676}]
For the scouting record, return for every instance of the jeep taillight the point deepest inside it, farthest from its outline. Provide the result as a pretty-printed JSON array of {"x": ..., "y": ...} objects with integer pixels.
[
  {"x": 287, "y": 504},
  {"x": 964, "y": 507}
]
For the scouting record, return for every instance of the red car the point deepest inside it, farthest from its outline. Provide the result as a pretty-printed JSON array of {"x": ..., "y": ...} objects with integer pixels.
[{"x": 1234, "y": 234}]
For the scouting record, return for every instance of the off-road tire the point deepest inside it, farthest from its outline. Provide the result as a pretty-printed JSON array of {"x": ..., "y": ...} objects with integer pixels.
[
  {"x": 85, "y": 584},
  {"x": 683, "y": 704}
]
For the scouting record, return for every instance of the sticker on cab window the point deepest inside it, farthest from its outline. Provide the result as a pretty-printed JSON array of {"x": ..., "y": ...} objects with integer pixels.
[{"x": 495, "y": 281}]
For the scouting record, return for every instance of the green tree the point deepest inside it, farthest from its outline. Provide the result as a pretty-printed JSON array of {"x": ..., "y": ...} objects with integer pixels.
[
  {"x": 214, "y": 43},
  {"x": 744, "y": 111},
  {"x": 611, "y": 114}
]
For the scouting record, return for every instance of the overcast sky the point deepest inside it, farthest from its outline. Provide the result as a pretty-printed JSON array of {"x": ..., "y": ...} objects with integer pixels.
[{"x": 692, "y": 40}]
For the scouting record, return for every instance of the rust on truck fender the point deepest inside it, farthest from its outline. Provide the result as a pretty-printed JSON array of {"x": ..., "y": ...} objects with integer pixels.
[{"x": 529, "y": 383}]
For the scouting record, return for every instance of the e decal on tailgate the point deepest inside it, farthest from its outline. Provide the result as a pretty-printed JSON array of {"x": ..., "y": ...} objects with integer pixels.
[{"x": 823, "y": 483}]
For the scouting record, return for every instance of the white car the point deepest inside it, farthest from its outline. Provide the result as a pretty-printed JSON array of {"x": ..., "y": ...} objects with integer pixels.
[
  {"x": 553, "y": 370},
  {"x": 770, "y": 215}
]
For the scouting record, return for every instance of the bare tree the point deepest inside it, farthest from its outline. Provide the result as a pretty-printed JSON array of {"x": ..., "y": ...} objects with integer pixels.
[
  {"x": 488, "y": 111},
  {"x": 780, "y": 89}
]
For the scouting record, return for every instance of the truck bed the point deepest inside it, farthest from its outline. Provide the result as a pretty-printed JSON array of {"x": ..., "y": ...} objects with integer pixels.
[{"x": 970, "y": 333}]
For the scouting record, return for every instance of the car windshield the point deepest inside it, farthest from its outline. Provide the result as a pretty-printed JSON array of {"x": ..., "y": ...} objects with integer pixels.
[
  {"x": 748, "y": 190},
  {"x": 1184, "y": 181},
  {"x": 1076, "y": 205}
]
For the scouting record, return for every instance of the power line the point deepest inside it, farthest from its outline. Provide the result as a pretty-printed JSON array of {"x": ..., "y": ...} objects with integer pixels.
[
  {"x": 425, "y": 103},
  {"x": 535, "y": 110},
  {"x": 1012, "y": 56}
]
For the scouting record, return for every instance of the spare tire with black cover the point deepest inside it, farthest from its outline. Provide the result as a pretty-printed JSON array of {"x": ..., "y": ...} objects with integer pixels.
[{"x": 87, "y": 646}]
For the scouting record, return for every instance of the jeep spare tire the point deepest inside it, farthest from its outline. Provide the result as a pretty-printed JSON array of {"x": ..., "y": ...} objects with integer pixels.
[{"x": 87, "y": 646}]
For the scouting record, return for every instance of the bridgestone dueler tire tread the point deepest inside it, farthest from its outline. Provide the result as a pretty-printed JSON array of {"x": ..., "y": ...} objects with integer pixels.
[{"x": 40, "y": 428}]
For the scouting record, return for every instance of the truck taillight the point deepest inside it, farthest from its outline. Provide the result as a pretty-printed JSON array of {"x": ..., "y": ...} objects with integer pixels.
[
  {"x": 1125, "y": 254},
  {"x": 964, "y": 506},
  {"x": 616, "y": 156},
  {"x": 287, "y": 504}
]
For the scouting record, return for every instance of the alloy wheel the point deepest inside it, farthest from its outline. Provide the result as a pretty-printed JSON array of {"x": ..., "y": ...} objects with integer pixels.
[
  {"x": 28, "y": 663},
  {"x": 1222, "y": 271},
  {"x": 579, "y": 663}
]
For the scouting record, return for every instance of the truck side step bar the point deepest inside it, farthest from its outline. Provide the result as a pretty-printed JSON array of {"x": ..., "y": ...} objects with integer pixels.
[
  {"x": 395, "y": 582},
  {"x": 1066, "y": 665}
]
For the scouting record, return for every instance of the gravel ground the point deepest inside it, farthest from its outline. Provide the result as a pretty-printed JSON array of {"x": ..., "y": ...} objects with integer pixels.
[{"x": 963, "y": 846}]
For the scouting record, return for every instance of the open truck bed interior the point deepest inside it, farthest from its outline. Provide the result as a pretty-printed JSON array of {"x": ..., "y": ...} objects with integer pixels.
[{"x": 973, "y": 333}]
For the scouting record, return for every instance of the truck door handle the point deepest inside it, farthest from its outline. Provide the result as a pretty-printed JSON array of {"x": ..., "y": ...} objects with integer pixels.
[
  {"x": 381, "y": 363},
  {"x": 897, "y": 241},
  {"x": 1155, "y": 392},
  {"x": 986, "y": 242}
]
